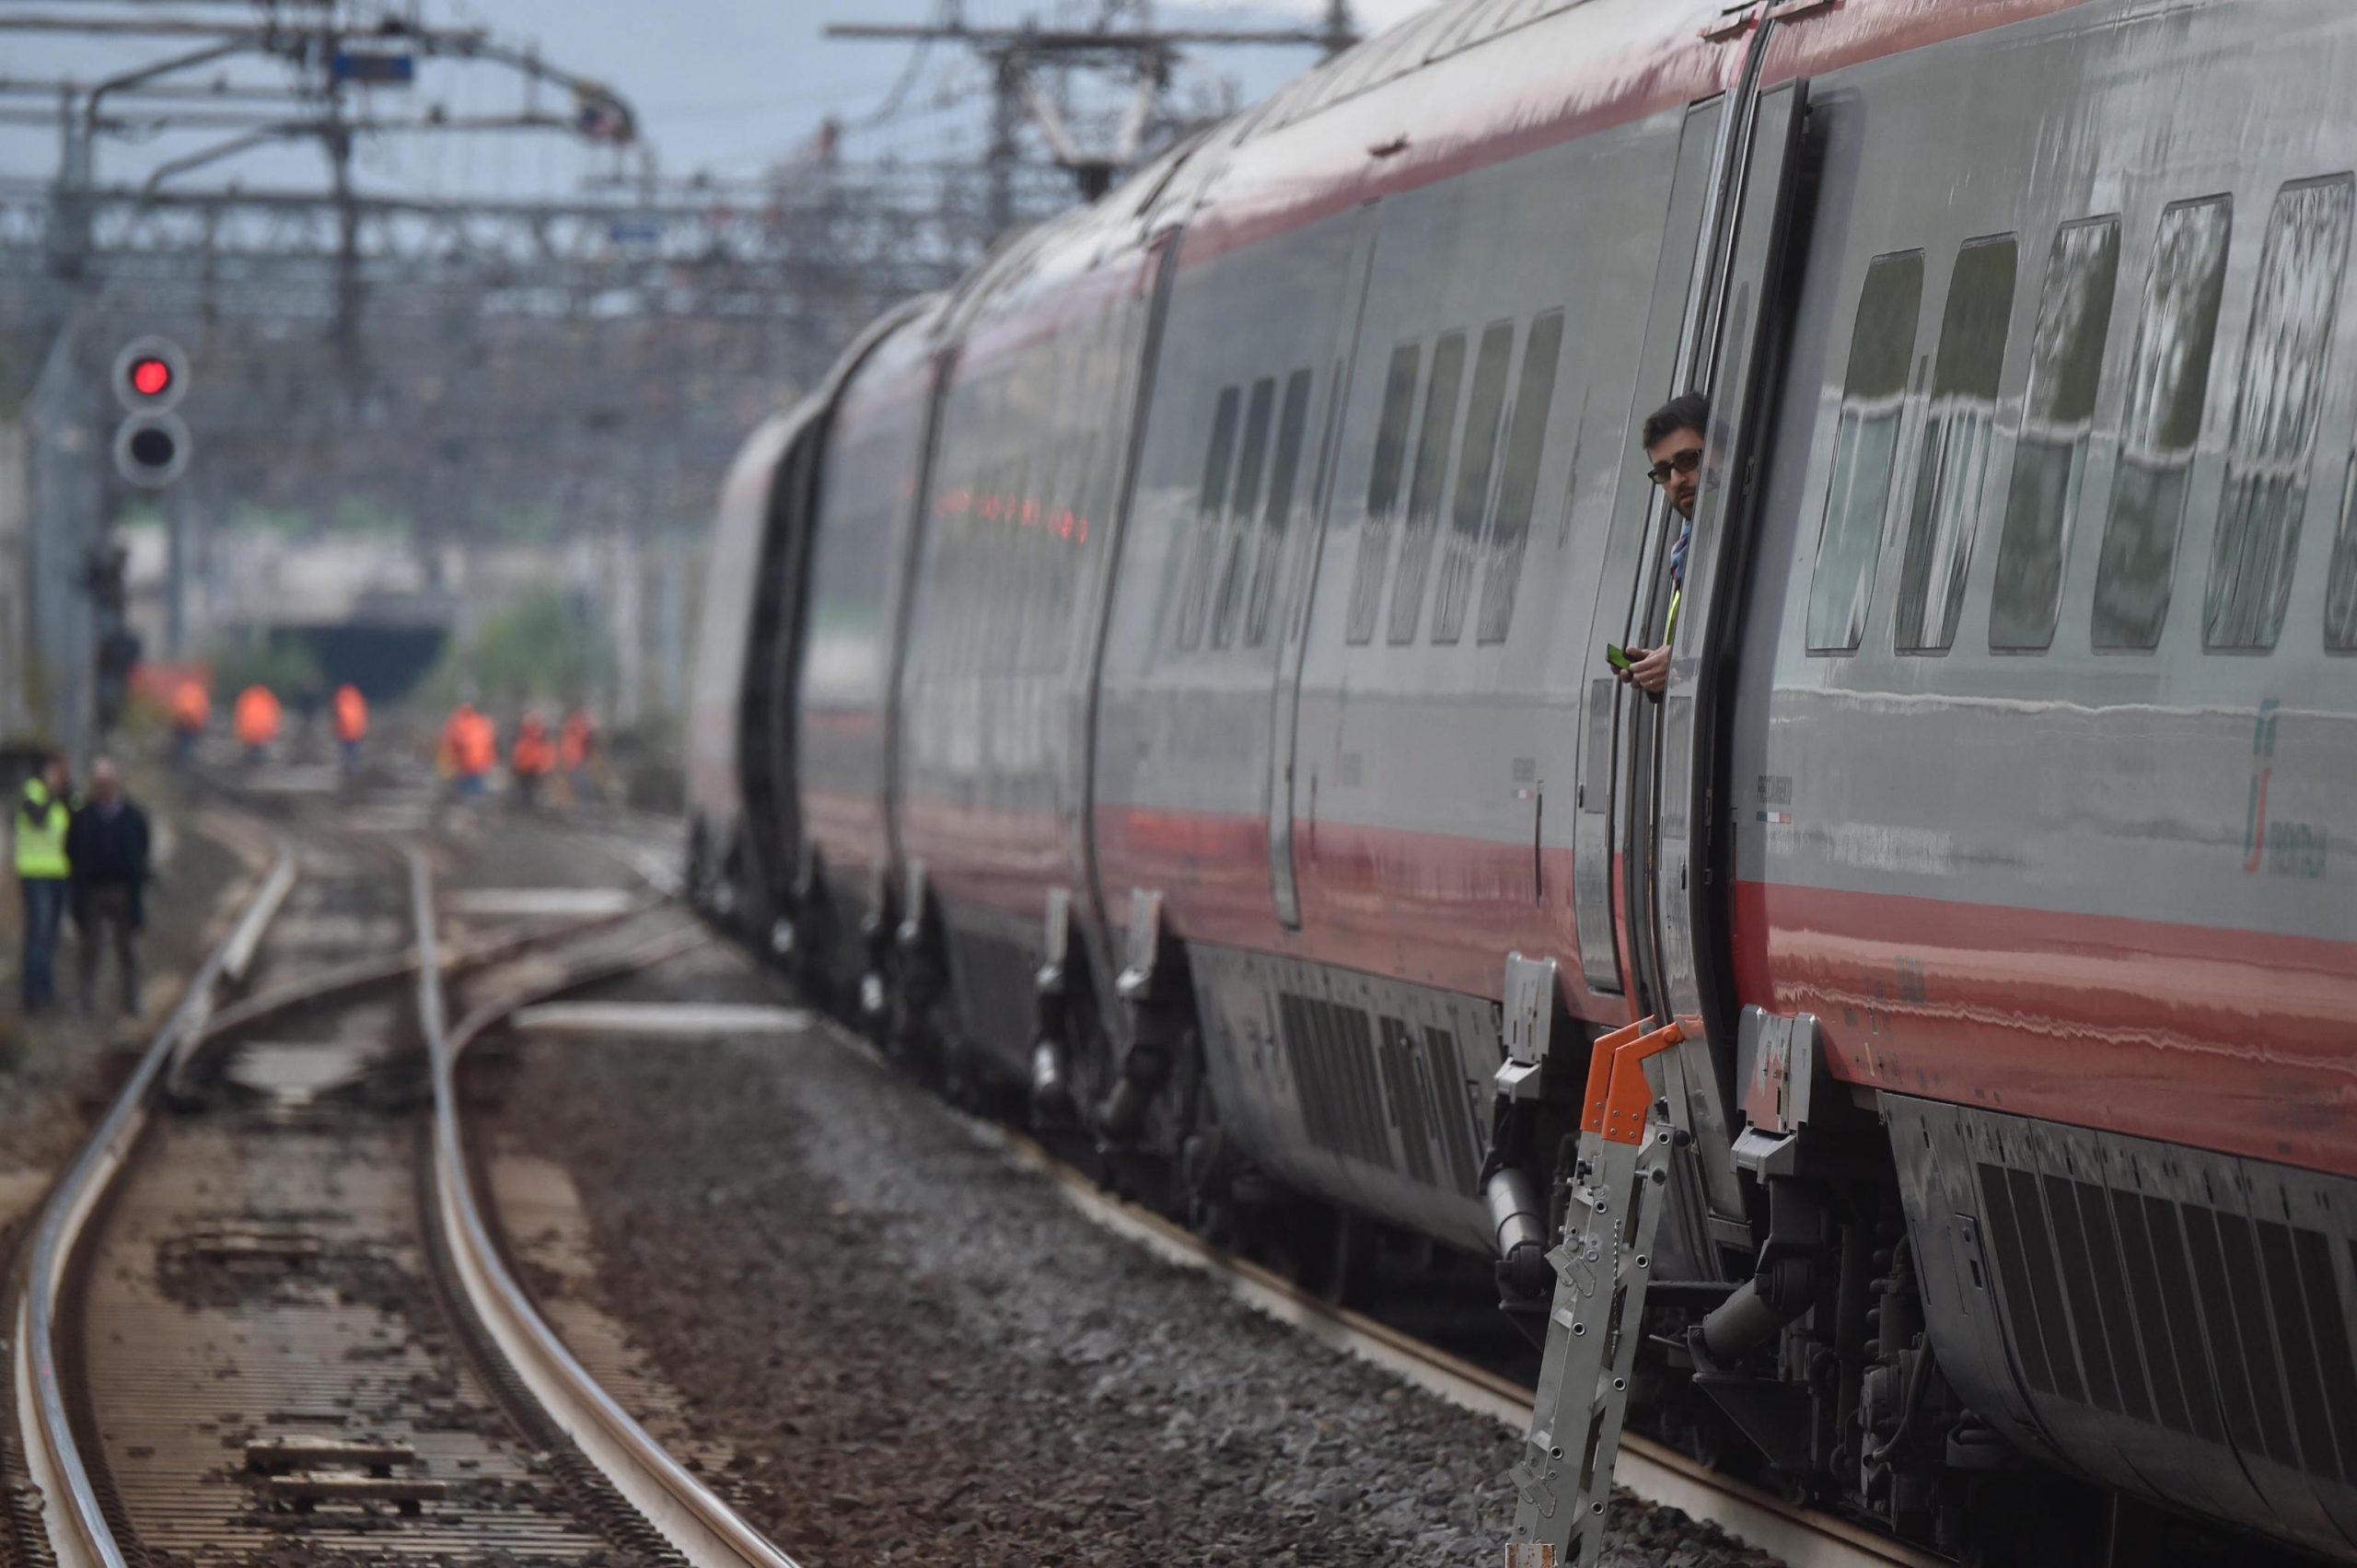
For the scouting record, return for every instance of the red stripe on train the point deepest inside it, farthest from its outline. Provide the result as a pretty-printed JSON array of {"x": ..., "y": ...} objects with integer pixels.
[{"x": 2227, "y": 1040}]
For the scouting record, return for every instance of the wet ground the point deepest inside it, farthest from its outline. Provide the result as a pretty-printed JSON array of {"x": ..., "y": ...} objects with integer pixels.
[{"x": 911, "y": 1351}]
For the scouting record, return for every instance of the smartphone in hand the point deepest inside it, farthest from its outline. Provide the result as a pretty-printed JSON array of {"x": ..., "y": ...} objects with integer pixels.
[{"x": 1617, "y": 656}]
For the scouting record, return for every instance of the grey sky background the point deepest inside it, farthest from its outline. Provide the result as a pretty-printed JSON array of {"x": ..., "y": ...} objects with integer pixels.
[{"x": 727, "y": 86}]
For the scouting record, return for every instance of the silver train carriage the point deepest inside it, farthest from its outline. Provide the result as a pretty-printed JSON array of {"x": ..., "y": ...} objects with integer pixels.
[{"x": 1166, "y": 673}]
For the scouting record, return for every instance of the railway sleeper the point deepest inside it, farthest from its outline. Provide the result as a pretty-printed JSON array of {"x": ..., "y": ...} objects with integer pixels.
[
  {"x": 306, "y": 1490},
  {"x": 277, "y": 1456}
]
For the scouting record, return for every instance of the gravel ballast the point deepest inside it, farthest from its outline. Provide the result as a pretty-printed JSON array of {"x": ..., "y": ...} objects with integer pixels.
[{"x": 918, "y": 1352}]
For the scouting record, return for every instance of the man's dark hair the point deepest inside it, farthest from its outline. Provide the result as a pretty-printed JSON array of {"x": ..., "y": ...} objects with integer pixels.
[{"x": 1689, "y": 410}]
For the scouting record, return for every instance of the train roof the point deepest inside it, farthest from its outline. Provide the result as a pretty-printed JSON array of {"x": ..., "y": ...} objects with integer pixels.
[{"x": 1450, "y": 89}]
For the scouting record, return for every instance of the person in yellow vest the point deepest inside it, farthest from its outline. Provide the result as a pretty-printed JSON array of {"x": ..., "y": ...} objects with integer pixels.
[{"x": 43, "y": 814}]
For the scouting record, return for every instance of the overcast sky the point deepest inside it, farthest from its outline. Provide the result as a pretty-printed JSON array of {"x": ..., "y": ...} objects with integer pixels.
[{"x": 731, "y": 85}]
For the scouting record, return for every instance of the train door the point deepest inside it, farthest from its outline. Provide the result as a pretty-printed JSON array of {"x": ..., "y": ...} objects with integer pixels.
[
  {"x": 1596, "y": 898},
  {"x": 1671, "y": 873},
  {"x": 771, "y": 837},
  {"x": 1137, "y": 343},
  {"x": 1300, "y": 588}
]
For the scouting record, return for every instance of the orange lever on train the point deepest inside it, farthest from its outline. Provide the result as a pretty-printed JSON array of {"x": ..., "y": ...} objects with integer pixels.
[{"x": 1617, "y": 1091}]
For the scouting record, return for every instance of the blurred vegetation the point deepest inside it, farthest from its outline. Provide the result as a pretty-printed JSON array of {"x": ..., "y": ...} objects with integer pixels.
[
  {"x": 246, "y": 515},
  {"x": 353, "y": 515},
  {"x": 541, "y": 650},
  {"x": 286, "y": 666},
  {"x": 523, "y": 524}
]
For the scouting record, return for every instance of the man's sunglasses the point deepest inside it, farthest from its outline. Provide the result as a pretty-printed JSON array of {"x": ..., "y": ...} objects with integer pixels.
[{"x": 1685, "y": 462}]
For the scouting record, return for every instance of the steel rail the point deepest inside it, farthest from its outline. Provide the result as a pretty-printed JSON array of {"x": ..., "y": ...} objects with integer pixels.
[
  {"x": 70, "y": 1515},
  {"x": 704, "y": 1528},
  {"x": 364, "y": 974}
]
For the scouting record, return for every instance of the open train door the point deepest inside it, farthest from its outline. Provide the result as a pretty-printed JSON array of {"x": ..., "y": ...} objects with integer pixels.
[{"x": 1673, "y": 805}]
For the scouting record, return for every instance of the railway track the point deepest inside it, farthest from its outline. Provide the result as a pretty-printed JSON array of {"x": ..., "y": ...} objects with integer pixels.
[{"x": 260, "y": 1318}]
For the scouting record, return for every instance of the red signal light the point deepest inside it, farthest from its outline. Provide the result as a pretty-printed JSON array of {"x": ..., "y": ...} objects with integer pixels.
[{"x": 151, "y": 377}]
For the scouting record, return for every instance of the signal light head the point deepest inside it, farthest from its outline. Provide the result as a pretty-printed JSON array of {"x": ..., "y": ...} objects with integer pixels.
[
  {"x": 151, "y": 449},
  {"x": 150, "y": 375}
]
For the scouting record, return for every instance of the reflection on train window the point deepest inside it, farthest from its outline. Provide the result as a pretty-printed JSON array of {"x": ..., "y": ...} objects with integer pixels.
[
  {"x": 1228, "y": 604},
  {"x": 1208, "y": 503},
  {"x": 1002, "y": 601},
  {"x": 1424, "y": 486},
  {"x": 1518, "y": 488},
  {"x": 1477, "y": 450},
  {"x": 1956, "y": 435},
  {"x": 2275, "y": 415},
  {"x": 2341, "y": 586},
  {"x": 1277, "y": 513},
  {"x": 1382, "y": 493},
  {"x": 2169, "y": 381},
  {"x": 1874, "y": 397},
  {"x": 2057, "y": 415}
]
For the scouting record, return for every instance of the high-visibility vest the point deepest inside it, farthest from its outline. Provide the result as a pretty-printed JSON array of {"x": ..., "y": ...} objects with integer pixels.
[
  {"x": 351, "y": 713},
  {"x": 257, "y": 715},
  {"x": 190, "y": 706},
  {"x": 574, "y": 740},
  {"x": 477, "y": 743},
  {"x": 41, "y": 833},
  {"x": 532, "y": 753}
]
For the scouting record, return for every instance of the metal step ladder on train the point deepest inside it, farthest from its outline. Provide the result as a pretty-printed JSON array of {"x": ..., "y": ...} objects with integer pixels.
[{"x": 1602, "y": 1265}]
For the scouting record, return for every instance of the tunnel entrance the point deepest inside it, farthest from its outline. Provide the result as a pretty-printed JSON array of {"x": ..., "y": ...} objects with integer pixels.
[{"x": 385, "y": 662}]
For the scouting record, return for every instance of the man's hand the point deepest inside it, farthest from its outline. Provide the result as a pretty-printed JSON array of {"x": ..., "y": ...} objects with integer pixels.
[{"x": 1648, "y": 669}]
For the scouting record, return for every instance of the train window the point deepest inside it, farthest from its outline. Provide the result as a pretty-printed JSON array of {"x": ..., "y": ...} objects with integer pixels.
[
  {"x": 2169, "y": 381},
  {"x": 1209, "y": 502},
  {"x": 1423, "y": 485},
  {"x": 1383, "y": 492},
  {"x": 1229, "y": 602},
  {"x": 2057, "y": 414},
  {"x": 1518, "y": 488},
  {"x": 2275, "y": 415},
  {"x": 1476, "y": 451},
  {"x": 2341, "y": 586},
  {"x": 1956, "y": 435},
  {"x": 1865, "y": 450},
  {"x": 1277, "y": 513}
]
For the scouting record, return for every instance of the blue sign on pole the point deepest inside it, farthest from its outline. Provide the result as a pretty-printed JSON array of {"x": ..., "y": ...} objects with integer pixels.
[{"x": 375, "y": 67}]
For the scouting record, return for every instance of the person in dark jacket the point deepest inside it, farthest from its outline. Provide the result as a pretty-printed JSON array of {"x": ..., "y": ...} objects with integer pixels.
[{"x": 107, "y": 846}]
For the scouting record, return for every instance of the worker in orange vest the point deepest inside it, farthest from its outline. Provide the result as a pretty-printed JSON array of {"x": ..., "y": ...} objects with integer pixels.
[
  {"x": 350, "y": 724},
  {"x": 576, "y": 741},
  {"x": 532, "y": 757},
  {"x": 256, "y": 720},
  {"x": 191, "y": 711},
  {"x": 471, "y": 747}
]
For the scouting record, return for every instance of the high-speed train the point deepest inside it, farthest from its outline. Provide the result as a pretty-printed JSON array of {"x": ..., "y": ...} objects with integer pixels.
[{"x": 1166, "y": 675}]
